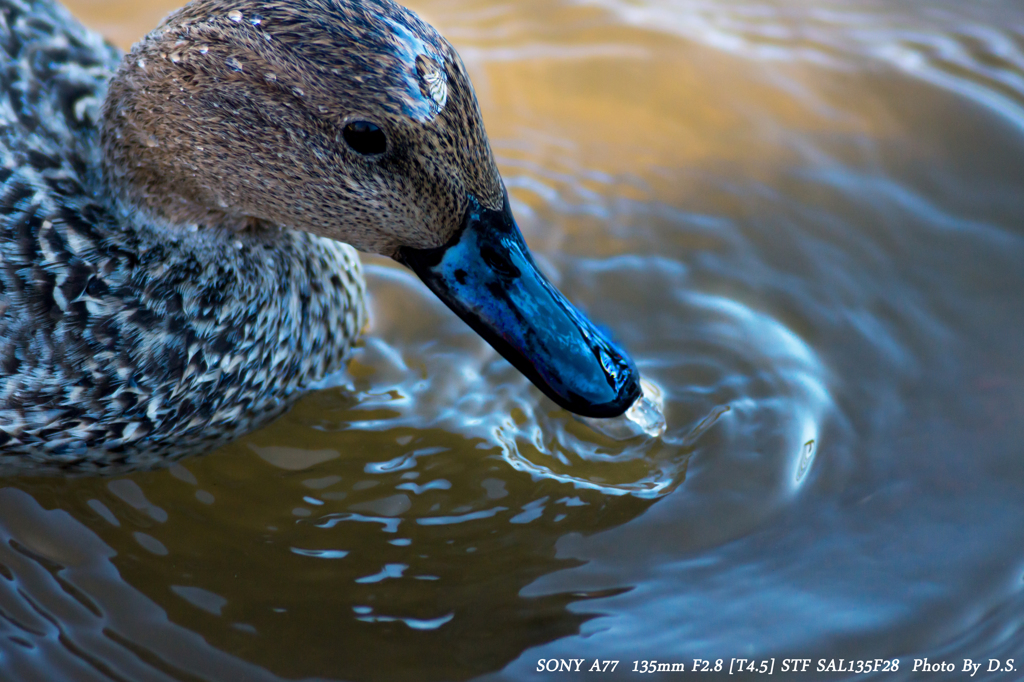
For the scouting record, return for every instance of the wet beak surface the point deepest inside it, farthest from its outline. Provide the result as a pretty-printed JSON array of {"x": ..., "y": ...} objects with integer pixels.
[{"x": 487, "y": 276}]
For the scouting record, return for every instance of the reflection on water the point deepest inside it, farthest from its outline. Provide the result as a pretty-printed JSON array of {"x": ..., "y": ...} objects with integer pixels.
[
  {"x": 801, "y": 218},
  {"x": 972, "y": 48}
]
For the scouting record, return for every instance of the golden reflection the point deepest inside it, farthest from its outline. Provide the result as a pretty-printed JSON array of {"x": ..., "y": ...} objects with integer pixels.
[
  {"x": 122, "y": 22},
  {"x": 598, "y": 97}
]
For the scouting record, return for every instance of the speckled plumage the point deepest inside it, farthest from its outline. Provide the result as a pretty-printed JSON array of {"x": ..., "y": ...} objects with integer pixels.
[{"x": 133, "y": 330}]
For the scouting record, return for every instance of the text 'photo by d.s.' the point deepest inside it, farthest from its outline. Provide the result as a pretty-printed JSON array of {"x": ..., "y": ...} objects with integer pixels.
[{"x": 506, "y": 340}]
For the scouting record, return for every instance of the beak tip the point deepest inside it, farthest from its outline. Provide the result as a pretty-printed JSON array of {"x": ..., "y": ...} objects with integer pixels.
[{"x": 624, "y": 382}]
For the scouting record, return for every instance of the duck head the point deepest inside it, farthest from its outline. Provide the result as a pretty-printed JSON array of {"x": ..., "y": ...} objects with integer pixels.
[{"x": 352, "y": 120}]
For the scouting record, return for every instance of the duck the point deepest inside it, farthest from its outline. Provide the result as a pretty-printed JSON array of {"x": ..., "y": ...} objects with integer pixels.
[{"x": 180, "y": 226}]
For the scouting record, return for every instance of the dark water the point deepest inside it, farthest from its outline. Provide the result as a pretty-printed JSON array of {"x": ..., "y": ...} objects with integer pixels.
[{"x": 806, "y": 222}]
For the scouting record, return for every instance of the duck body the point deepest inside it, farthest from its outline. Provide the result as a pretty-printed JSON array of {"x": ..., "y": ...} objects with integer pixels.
[
  {"x": 179, "y": 225},
  {"x": 120, "y": 348}
]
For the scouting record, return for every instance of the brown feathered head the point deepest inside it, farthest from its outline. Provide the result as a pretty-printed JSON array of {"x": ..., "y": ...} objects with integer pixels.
[{"x": 353, "y": 120}]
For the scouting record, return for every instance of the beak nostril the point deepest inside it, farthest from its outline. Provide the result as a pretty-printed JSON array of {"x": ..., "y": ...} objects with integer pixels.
[{"x": 501, "y": 265}]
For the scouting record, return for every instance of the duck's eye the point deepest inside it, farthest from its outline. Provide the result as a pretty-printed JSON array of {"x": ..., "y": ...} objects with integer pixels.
[{"x": 365, "y": 137}]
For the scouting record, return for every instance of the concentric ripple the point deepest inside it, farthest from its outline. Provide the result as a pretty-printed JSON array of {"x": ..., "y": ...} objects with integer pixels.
[{"x": 727, "y": 363}]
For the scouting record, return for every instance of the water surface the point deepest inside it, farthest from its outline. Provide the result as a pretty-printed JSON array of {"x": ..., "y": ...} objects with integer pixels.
[{"x": 803, "y": 219}]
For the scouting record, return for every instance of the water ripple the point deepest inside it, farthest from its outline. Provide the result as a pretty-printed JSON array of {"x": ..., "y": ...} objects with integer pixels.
[
  {"x": 729, "y": 362},
  {"x": 977, "y": 51}
]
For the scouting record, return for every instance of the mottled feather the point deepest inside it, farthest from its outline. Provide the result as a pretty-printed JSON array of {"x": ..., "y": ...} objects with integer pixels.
[{"x": 122, "y": 346}]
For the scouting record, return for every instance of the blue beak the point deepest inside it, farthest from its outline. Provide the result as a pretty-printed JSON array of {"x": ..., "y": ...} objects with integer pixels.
[{"x": 487, "y": 276}]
